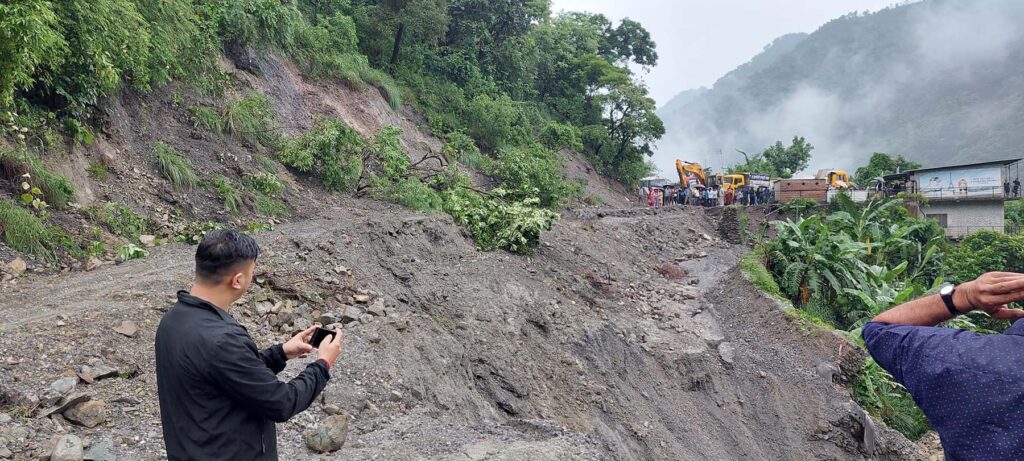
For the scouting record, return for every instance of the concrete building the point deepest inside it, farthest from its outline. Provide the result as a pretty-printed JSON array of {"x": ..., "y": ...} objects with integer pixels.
[{"x": 966, "y": 198}]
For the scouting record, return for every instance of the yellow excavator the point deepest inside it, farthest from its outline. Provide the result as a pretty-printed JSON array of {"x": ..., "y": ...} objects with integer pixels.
[
  {"x": 686, "y": 169},
  {"x": 836, "y": 178}
]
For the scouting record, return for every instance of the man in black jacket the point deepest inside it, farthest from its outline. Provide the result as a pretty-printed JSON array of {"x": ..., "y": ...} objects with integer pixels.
[{"x": 219, "y": 395}]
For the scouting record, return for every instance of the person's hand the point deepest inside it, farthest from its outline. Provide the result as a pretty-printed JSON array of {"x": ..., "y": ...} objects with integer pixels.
[
  {"x": 330, "y": 347},
  {"x": 992, "y": 293},
  {"x": 299, "y": 344}
]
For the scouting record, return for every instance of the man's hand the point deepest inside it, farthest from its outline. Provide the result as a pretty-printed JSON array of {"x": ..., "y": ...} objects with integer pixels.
[
  {"x": 299, "y": 345},
  {"x": 330, "y": 348},
  {"x": 992, "y": 293}
]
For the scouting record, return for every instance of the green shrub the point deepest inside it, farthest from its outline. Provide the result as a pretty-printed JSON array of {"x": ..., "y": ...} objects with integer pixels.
[
  {"x": 496, "y": 224},
  {"x": 331, "y": 151},
  {"x": 256, "y": 22},
  {"x": 98, "y": 171},
  {"x": 174, "y": 167},
  {"x": 193, "y": 231},
  {"x": 413, "y": 193},
  {"x": 492, "y": 121},
  {"x": 875, "y": 391},
  {"x": 534, "y": 172},
  {"x": 462, "y": 149},
  {"x": 232, "y": 199},
  {"x": 130, "y": 251},
  {"x": 119, "y": 219},
  {"x": 249, "y": 120},
  {"x": 263, "y": 183},
  {"x": 561, "y": 136},
  {"x": 981, "y": 252},
  {"x": 57, "y": 190},
  {"x": 23, "y": 231},
  {"x": 208, "y": 119}
]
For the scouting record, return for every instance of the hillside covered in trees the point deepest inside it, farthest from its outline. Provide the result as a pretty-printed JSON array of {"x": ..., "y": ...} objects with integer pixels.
[{"x": 938, "y": 81}]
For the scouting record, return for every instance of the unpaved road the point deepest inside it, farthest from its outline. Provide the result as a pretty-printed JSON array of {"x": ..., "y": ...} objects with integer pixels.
[{"x": 582, "y": 351}]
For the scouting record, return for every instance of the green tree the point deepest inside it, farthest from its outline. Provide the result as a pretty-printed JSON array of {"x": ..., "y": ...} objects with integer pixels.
[
  {"x": 778, "y": 160},
  {"x": 880, "y": 165}
]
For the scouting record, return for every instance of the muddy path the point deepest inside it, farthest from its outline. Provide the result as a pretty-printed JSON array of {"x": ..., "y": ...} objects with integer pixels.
[{"x": 628, "y": 335}]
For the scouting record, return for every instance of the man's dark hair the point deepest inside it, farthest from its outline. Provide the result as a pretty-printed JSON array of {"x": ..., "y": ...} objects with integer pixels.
[{"x": 221, "y": 251}]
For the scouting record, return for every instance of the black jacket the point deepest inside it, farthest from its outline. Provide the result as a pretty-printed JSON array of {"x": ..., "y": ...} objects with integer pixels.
[{"x": 219, "y": 395}]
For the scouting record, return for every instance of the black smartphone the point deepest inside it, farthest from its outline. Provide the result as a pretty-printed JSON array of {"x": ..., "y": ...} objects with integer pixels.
[{"x": 319, "y": 335}]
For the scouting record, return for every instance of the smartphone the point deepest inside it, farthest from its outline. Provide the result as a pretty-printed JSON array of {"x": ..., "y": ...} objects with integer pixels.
[{"x": 319, "y": 335}]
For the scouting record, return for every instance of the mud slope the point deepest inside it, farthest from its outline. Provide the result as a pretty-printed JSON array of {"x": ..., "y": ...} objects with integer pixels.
[{"x": 580, "y": 352}]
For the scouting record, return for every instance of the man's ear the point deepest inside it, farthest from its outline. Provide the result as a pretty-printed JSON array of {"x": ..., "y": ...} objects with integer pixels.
[{"x": 236, "y": 281}]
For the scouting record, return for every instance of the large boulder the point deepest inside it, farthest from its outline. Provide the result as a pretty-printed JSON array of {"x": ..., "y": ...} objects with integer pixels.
[{"x": 330, "y": 435}]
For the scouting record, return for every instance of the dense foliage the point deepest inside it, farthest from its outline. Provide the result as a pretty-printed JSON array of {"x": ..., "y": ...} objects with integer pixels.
[
  {"x": 882, "y": 164},
  {"x": 778, "y": 160}
]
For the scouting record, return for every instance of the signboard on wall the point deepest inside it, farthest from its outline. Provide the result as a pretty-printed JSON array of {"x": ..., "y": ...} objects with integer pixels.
[
  {"x": 957, "y": 183},
  {"x": 760, "y": 180}
]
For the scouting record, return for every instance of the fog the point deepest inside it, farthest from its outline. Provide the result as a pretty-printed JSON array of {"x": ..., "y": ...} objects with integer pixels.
[{"x": 939, "y": 63}]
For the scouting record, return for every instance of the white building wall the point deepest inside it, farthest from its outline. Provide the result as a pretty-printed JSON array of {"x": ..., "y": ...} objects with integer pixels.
[{"x": 969, "y": 216}]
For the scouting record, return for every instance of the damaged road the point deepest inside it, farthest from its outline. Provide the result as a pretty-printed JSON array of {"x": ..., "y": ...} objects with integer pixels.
[{"x": 627, "y": 335}]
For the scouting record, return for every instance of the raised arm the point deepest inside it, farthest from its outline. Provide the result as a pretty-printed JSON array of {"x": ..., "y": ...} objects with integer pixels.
[{"x": 990, "y": 293}]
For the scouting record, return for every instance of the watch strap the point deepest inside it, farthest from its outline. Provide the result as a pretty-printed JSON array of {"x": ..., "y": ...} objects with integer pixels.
[{"x": 948, "y": 301}]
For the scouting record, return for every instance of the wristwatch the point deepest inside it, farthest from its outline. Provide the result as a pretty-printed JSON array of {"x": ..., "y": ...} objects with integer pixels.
[{"x": 946, "y": 293}]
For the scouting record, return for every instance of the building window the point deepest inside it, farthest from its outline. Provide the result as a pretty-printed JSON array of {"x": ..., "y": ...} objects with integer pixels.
[{"x": 943, "y": 219}]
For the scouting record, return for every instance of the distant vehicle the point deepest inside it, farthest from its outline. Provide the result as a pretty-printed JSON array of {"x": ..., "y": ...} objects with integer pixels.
[
  {"x": 687, "y": 170},
  {"x": 836, "y": 178},
  {"x": 737, "y": 180}
]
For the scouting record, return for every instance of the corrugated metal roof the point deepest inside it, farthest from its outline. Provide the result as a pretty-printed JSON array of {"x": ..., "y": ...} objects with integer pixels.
[{"x": 965, "y": 165}]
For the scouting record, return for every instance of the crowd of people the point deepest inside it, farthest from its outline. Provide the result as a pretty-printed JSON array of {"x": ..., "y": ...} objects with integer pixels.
[{"x": 704, "y": 196}]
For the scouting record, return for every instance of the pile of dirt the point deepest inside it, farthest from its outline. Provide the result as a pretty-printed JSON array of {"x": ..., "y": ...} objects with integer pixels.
[{"x": 581, "y": 351}]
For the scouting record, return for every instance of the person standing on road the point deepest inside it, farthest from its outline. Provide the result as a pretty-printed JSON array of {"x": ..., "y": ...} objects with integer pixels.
[
  {"x": 970, "y": 386},
  {"x": 219, "y": 394}
]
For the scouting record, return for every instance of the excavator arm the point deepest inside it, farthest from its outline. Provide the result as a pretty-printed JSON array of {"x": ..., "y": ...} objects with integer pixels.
[{"x": 685, "y": 169}]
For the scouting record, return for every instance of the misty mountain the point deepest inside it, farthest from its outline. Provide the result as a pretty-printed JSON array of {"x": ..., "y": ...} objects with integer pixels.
[{"x": 940, "y": 81}]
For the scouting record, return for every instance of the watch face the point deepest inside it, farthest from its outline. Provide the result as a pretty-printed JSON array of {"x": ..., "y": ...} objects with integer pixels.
[{"x": 946, "y": 290}]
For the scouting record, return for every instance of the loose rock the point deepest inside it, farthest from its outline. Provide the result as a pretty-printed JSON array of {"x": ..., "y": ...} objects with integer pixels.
[
  {"x": 64, "y": 385},
  {"x": 68, "y": 448},
  {"x": 329, "y": 435},
  {"x": 15, "y": 267},
  {"x": 88, "y": 414},
  {"x": 127, "y": 328},
  {"x": 93, "y": 264},
  {"x": 148, "y": 240},
  {"x": 102, "y": 450},
  {"x": 351, "y": 314},
  {"x": 377, "y": 308}
]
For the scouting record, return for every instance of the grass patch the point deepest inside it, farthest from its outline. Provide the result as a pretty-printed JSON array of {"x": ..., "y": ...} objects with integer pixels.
[
  {"x": 208, "y": 119},
  {"x": 271, "y": 206},
  {"x": 265, "y": 163},
  {"x": 758, "y": 275},
  {"x": 231, "y": 196},
  {"x": 174, "y": 167},
  {"x": 248, "y": 120},
  {"x": 119, "y": 219},
  {"x": 263, "y": 183},
  {"x": 98, "y": 171},
  {"x": 24, "y": 231},
  {"x": 57, "y": 190}
]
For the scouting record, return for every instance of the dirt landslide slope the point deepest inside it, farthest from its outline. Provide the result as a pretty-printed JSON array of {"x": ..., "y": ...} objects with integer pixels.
[{"x": 582, "y": 351}]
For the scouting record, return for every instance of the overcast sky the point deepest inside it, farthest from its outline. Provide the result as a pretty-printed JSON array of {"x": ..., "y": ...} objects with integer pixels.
[{"x": 701, "y": 40}]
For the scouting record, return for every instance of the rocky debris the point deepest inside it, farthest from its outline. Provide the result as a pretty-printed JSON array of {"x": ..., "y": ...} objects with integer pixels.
[
  {"x": 329, "y": 435},
  {"x": 89, "y": 414},
  {"x": 97, "y": 371},
  {"x": 68, "y": 448},
  {"x": 362, "y": 298},
  {"x": 351, "y": 314},
  {"x": 64, "y": 386},
  {"x": 103, "y": 450},
  {"x": 329, "y": 318},
  {"x": 727, "y": 352},
  {"x": 93, "y": 264},
  {"x": 127, "y": 328},
  {"x": 15, "y": 267},
  {"x": 65, "y": 403},
  {"x": 148, "y": 240},
  {"x": 377, "y": 308},
  {"x": 342, "y": 270}
]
